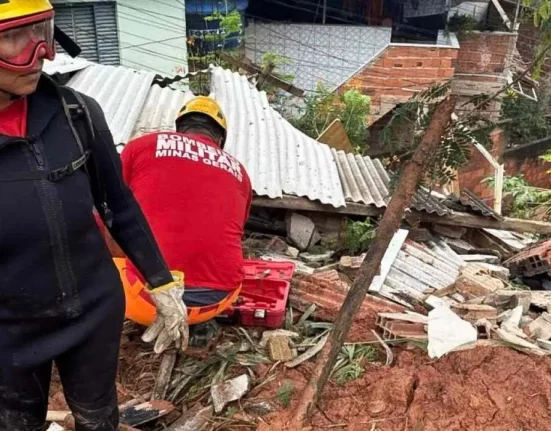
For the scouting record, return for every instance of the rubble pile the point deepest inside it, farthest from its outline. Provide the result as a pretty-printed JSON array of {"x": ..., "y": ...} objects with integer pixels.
[{"x": 441, "y": 289}]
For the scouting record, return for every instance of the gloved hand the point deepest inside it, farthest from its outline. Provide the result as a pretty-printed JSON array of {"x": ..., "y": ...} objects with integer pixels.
[{"x": 171, "y": 324}]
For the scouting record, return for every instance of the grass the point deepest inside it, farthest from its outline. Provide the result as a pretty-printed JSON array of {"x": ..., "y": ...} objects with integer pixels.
[
  {"x": 351, "y": 361},
  {"x": 285, "y": 393}
]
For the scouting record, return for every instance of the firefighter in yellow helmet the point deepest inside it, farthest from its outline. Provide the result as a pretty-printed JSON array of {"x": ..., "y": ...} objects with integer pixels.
[
  {"x": 196, "y": 198},
  {"x": 61, "y": 298}
]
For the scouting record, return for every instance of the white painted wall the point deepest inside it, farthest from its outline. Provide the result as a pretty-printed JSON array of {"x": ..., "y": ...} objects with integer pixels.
[
  {"x": 159, "y": 28},
  {"x": 475, "y": 9}
]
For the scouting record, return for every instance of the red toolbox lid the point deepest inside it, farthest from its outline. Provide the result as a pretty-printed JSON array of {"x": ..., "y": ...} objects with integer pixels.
[{"x": 282, "y": 271}]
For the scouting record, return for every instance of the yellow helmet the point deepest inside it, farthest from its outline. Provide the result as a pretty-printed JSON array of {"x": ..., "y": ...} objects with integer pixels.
[
  {"x": 13, "y": 9},
  {"x": 207, "y": 106}
]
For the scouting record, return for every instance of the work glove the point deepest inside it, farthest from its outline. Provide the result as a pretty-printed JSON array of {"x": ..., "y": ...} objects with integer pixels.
[{"x": 171, "y": 325}]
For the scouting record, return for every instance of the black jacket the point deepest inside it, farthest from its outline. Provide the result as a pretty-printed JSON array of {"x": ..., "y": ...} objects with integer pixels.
[{"x": 57, "y": 279}]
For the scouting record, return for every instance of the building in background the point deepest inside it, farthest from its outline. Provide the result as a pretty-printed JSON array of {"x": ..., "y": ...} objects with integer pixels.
[{"x": 141, "y": 34}]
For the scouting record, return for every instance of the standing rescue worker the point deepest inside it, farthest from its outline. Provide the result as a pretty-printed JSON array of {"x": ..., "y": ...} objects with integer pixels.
[
  {"x": 196, "y": 198},
  {"x": 61, "y": 298}
]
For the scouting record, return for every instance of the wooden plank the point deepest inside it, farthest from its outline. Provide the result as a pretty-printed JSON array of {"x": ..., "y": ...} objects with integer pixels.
[
  {"x": 336, "y": 137},
  {"x": 303, "y": 204},
  {"x": 452, "y": 219},
  {"x": 162, "y": 381},
  {"x": 280, "y": 83}
]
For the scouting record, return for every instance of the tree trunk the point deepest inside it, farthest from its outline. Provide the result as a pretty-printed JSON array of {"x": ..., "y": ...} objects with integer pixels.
[{"x": 390, "y": 223}]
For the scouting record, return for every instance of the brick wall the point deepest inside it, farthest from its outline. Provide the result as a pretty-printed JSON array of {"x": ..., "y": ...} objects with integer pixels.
[
  {"x": 526, "y": 160},
  {"x": 482, "y": 59},
  {"x": 485, "y": 52},
  {"x": 522, "y": 160},
  {"x": 398, "y": 72},
  {"x": 478, "y": 169}
]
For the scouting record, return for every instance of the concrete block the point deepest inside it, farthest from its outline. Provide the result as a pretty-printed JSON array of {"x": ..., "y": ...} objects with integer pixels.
[
  {"x": 231, "y": 390},
  {"x": 279, "y": 349},
  {"x": 541, "y": 327},
  {"x": 473, "y": 286},
  {"x": 300, "y": 231}
]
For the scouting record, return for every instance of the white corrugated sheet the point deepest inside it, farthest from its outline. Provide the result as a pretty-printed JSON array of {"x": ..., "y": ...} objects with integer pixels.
[
  {"x": 64, "y": 63},
  {"x": 363, "y": 179},
  {"x": 120, "y": 91},
  {"x": 279, "y": 159},
  {"x": 160, "y": 110},
  {"x": 416, "y": 269}
]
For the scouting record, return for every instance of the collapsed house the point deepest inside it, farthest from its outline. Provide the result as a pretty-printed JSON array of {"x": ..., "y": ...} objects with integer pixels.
[{"x": 449, "y": 278}]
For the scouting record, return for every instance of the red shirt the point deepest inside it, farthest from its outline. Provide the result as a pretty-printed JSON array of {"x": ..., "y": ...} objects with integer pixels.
[
  {"x": 196, "y": 199},
  {"x": 13, "y": 119}
]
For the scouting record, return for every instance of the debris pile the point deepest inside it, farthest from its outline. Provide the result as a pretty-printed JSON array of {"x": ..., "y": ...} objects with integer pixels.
[{"x": 439, "y": 290}]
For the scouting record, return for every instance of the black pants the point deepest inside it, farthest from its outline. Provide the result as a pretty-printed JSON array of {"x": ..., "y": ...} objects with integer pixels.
[{"x": 88, "y": 374}]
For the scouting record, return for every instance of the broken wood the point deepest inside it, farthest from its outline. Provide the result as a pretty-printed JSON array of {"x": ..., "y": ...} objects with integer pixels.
[
  {"x": 389, "y": 225},
  {"x": 274, "y": 80},
  {"x": 267, "y": 71},
  {"x": 145, "y": 412},
  {"x": 162, "y": 381},
  {"x": 452, "y": 219}
]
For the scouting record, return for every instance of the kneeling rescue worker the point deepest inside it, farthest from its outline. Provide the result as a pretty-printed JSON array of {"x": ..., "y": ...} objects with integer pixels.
[
  {"x": 61, "y": 298},
  {"x": 196, "y": 198}
]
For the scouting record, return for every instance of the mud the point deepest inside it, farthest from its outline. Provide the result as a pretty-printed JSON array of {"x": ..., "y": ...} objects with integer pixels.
[{"x": 487, "y": 389}]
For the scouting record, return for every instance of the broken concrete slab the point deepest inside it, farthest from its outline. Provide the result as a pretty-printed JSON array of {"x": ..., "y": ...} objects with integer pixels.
[
  {"x": 266, "y": 335},
  {"x": 311, "y": 258},
  {"x": 541, "y": 327},
  {"x": 292, "y": 252},
  {"x": 519, "y": 342},
  {"x": 192, "y": 420},
  {"x": 460, "y": 246},
  {"x": 300, "y": 230},
  {"x": 475, "y": 312},
  {"x": 487, "y": 258},
  {"x": 450, "y": 231},
  {"x": 540, "y": 299},
  {"x": 512, "y": 323},
  {"x": 231, "y": 390},
  {"x": 474, "y": 285},
  {"x": 494, "y": 270},
  {"x": 544, "y": 344},
  {"x": 447, "y": 331},
  {"x": 55, "y": 427},
  {"x": 279, "y": 349},
  {"x": 504, "y": 299}
]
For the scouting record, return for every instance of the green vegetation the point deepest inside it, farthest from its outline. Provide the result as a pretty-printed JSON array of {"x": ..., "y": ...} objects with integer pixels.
[
  {"x": 526, "y": 201},
  {"x": 410, "y": 120},
  {"x": 528, "y": 118},
  {"x": 359, "y": 235},
  {"x": 351, "y": 362},
  {"x": 323, "y": 107},
  {"x": 285, "y": 393}
]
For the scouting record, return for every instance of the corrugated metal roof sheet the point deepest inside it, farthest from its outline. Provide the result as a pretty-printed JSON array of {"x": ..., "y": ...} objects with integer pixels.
[
  {"x": 413, "y": 269},
  {"x": 64, "y": 63},
  {"x": 120, "y": 91},
  {"x": 469, "y": 199},
  {"x": 278, "y": 158},
  {"x": 365, "y": 180},
  {"x": 160, "y": 110}
]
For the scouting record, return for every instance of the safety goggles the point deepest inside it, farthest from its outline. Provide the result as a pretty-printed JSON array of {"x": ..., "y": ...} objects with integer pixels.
[{"x": 23, "y": 41}]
